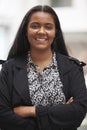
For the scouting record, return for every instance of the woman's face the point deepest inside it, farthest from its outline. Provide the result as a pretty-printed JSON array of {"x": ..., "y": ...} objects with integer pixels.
[{"x": 41, "y": 31}]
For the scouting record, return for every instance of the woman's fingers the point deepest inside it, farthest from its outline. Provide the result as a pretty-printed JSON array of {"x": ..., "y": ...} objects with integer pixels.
[{"x": 70, "y": 101}]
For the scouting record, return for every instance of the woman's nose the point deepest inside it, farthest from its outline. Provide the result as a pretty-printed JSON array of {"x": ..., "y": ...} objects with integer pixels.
[{"x": 42, "y": 30}]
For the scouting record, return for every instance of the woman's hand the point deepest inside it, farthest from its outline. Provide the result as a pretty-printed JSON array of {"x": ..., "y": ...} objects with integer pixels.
[
  {"x": 25, "y": 111},
  {"x": 70, "y": 101}
]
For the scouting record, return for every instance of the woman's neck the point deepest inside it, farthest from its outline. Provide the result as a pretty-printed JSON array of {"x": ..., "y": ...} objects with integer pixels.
[{"x": 41, "y": 58}]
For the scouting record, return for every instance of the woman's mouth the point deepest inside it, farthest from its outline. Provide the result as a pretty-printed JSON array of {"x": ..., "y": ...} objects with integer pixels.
[{"x": 41, "y": 39}]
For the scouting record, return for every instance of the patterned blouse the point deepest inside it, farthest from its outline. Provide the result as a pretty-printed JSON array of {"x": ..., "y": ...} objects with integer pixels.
[{"x": 46, "y": 87}]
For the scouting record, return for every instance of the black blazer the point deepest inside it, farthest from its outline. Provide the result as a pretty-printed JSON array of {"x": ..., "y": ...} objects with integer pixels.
[{"x": 14, "y": 92}]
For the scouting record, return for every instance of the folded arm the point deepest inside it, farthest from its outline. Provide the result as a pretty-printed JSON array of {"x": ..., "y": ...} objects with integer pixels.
[{"x": 8, "y": 118}]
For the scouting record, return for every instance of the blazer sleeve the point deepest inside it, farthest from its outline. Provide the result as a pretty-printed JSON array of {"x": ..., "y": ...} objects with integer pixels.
[
  {"x": 8, "y": 119},
  {"x": 66, "y": 115}
]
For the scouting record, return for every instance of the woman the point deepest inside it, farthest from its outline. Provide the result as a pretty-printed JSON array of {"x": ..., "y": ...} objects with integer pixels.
[{"x": 41, "y": 87}]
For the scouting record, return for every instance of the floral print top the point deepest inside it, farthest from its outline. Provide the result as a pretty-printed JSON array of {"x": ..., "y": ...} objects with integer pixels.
[{"x": 45, "y": 88}]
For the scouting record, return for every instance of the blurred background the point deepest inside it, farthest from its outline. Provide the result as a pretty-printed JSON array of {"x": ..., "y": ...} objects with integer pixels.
[{"x": 73, "y": 19}]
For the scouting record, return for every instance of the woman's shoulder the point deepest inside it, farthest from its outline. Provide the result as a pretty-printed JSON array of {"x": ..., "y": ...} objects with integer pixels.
[
  {"x": 76, "y": 61},
  {"x": 69, "y": 63},
  {"x": 70, "y": 60},
  {"x": 18, "y": 62},
  {"x": 6, "y": 64}
]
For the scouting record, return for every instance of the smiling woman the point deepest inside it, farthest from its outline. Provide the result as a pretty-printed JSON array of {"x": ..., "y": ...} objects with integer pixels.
[
  {"x": 40, "y": 83},
  {"x": 41, "y": 32}
]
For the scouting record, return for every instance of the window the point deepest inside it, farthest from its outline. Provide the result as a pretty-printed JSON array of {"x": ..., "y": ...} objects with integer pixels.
[{"x": 61, "y": 3}]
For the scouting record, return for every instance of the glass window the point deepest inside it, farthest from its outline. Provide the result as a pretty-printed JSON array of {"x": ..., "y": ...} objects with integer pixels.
[{"x": 61, "y": 3}]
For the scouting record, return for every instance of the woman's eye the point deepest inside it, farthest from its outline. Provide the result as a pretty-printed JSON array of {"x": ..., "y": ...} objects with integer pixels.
[
  {"x": 35, "y": 26},
  {"x": 49, "y": 27}
]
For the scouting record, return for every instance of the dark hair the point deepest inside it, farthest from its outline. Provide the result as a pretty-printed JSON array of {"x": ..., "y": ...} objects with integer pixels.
[{"x": 20, "y": 45}]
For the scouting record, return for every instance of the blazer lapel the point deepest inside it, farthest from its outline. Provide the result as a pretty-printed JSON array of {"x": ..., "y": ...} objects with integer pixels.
[
  {"x": 21, "y": 81},
  {"x": 63, "y": 65}
]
